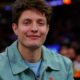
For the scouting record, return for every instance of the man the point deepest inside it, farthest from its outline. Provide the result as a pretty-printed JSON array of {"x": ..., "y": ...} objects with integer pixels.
[{"x": 27, "y": 58}]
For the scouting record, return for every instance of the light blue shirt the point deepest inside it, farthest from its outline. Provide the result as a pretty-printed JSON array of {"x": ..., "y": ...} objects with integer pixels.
[{"x": 35, "y": 67}]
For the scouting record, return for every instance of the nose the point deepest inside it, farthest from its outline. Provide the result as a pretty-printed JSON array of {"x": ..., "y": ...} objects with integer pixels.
[{"x": 34, "y": 27}]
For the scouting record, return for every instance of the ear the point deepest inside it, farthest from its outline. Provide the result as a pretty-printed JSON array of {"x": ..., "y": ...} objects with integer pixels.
[{"x": 15, "y": 28}]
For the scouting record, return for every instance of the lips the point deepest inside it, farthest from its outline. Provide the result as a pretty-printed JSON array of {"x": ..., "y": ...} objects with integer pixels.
[{"x": 33, "y": 37}]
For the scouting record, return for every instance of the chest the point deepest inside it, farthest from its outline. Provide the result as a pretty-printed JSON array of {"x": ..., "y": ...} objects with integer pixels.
[{"x": 29, "y": 75}]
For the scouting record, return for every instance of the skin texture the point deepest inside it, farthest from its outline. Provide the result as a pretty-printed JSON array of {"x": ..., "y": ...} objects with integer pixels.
[{"x": 31, "y": 30}]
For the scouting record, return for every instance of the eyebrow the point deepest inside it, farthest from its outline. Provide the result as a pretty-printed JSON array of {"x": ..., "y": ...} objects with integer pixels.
[{"x": 40, "y": 19}]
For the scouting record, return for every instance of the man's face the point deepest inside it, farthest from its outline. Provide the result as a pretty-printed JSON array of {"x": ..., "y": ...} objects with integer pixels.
[{"x": 32, "y": 29}]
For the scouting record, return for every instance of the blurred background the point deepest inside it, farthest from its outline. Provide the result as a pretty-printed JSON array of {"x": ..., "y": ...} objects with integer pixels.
[{"x": 64, "y": 34}]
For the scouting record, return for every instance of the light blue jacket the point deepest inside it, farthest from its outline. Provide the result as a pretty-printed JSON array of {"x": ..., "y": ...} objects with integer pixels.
[{"x": 54, "y": 66}]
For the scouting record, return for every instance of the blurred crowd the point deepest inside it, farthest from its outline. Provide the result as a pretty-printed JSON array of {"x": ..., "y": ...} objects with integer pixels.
[{"x": 72, "y": 51}]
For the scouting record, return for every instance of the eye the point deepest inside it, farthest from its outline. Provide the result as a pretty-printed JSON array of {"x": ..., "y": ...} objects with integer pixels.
[
  {"x": 42, "y": 22},
  {"x": 27, "y": 22}
]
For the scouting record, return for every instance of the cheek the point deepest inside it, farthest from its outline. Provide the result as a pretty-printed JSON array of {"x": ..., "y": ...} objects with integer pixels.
[
  {"x": 44, "y": 31},
  {"x": 23, "y": 30},
  {"x": 20, "y": 32}
]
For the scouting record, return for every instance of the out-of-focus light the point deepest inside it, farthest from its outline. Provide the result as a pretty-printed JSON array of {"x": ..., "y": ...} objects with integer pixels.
[
  {"x": 55, "y": 48},
  {"x": 54, "y": 2},
  {"x": 7, "y": 7},
  {"x": 67, "y": 2}
]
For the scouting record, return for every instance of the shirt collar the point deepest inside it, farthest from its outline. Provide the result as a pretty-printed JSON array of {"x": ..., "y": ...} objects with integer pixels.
[
  {"x": 50, "y": 58},
  {"x": 18, "y": 65},
  {"x": 16, "y": 62}
]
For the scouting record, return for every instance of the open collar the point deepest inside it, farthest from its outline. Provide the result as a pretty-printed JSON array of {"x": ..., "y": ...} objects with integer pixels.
[
  {"x": 50, "y": 59},
  {"x": 16, "y": 62},
  {"x": 18, "y": 65}
]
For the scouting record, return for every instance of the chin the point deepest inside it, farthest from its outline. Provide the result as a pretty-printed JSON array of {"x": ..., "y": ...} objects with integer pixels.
[{"x": 34, "y": 46}]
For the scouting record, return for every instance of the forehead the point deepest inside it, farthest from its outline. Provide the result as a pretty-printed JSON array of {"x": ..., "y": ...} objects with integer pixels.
[{"x": 33, "y": 14}]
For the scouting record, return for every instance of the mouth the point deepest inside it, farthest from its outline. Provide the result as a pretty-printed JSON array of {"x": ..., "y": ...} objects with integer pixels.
[{"x": 33, "y": 37}]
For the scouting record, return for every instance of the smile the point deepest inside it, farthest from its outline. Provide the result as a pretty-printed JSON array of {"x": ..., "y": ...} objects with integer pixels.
[{"x": 33, "y": 37}]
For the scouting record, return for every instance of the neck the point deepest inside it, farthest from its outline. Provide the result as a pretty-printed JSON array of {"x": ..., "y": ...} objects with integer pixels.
[{"x": 30, "y": 55}]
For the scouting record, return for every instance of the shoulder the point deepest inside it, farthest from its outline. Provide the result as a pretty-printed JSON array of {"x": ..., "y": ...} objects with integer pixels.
[
  {"x": 3, "y": 55},
  {"x": 3, "y": 60},
  {"x": 5, "y": 68},
  {"x": 58, "y": 57},
  {"x": 63, "y": 59}
]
